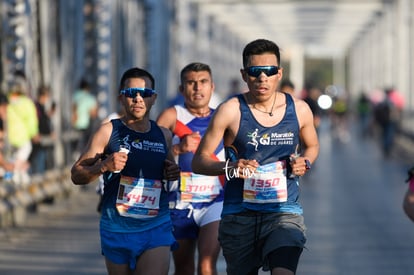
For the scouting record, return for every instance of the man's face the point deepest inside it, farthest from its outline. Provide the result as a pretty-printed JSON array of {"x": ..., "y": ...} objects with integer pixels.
[
  {"x": 197, "y": 89},
  {"x": 262, "y": 85},
  {"x": 137, "y": 106}
]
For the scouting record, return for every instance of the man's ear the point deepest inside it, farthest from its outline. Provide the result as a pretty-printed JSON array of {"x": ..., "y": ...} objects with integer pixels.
[
  {"x": 280, "y": 73},
  {"x": 153, "y": 99},
  {"x": 243, "y": 75}
]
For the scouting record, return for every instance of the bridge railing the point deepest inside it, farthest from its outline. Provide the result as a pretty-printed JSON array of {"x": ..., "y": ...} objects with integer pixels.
[{"x": 16, "y": 200}]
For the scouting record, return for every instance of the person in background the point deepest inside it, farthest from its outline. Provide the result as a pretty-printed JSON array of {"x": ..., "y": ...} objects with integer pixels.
[
  {"x": 22, "y": 128},
  {"x": 197, "y": 202},
  {"x": 340, "y": 118},
  {"x": 6, "y": 167},
  {"x": 364, "y": 108},
  {"x": 408, "y": 201},
  {"x": 311, "y": 98},
  {"x": 133, "y": 155},
  {"x": 84, "y": 113},
  {"x": 287, "y": 86},
  {"x": 262, "y": 223},
  {"x": 42, "y": 153},
  {"x": 388, "y": 114}
]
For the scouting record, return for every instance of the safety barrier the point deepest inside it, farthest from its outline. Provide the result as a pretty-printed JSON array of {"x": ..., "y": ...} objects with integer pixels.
[{"x": 17, "y": 199}]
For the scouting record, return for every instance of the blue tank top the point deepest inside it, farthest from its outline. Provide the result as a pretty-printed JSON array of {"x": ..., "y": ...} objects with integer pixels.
[
  {"x": 187, "y": 122},
  {"x": 145, "y": 160},
  {"x": 266, "y": 145}
]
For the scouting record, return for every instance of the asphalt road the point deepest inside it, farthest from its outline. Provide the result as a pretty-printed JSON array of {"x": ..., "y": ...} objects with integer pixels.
[{"x": 352, "y": 207}]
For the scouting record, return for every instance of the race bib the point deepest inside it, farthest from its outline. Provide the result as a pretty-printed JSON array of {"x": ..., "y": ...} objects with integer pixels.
[
  {"x": 268, "y": 184},
  {"x": 138, "y": 197},
  {"x": 199, "y": 188}
]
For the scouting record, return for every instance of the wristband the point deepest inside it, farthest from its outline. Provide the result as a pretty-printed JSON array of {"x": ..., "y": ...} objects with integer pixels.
[{"x": 308, "y": 165}]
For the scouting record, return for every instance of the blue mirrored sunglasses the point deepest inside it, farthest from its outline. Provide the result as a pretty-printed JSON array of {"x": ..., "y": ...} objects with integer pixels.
[
  {"x": 132, "y": 92},
  {"x": 255, "y": 71}
]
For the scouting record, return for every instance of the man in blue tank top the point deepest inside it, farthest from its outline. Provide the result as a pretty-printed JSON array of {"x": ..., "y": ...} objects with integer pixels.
[
  {"x": 197, "y": 200},
  {"x": 262, "y": 223},
  {"x": 133, "y": 155}
]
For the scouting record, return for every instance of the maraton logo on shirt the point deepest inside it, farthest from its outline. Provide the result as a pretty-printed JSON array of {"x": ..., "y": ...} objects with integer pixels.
[
  {"x": 147, "y": 145},
  {"x": 270, "y": 139}
]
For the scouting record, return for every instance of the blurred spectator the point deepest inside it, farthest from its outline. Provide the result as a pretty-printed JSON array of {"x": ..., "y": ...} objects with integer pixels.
[
  {"x": 388, "y": 114},
  {"x": 408, "y": 201},
  {"x": 4, "y": 101},
  {"x": 364, "y": 108},
  {"x": 339, "y": 119},
  {"x": 84, "y": 113},
  {"x": 287, "y": 86},
  {"x": 5, "y": 165},
  {"x": 311, "y": 98},
  {"x": 22, "y": 127},
  {"x": 42, "y": 153}
]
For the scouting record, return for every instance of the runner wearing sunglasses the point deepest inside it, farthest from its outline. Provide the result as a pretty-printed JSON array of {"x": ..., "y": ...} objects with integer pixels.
[
  {"x": 262, "y": 223},
  {"x": 135, "y": 226}
]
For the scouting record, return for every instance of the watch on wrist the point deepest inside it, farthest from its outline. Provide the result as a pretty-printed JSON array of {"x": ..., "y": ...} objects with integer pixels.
[{"x": 307, "y": 164}]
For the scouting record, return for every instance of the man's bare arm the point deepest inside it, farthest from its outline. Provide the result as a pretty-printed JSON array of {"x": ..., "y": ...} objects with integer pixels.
[
  {"x": 203, "y": 163},
  {"x": 90, "y": 166},
  {"x": 308, "y": 132},
  {"x": 171, "y": 169}
]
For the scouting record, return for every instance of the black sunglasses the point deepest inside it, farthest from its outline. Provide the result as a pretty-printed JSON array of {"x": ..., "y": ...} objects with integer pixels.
[
  {"x": 132, "y": 92},
  {"x": 255, "y": 71}
]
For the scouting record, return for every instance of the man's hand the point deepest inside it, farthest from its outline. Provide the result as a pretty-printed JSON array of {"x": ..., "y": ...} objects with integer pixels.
[
  {"x": 171, "y": 170},
  {"x": 243, "y": 168},
  {"x": 114, "y": 162},
  {"x": 298, "y": 164},
  {"x": 189, "y": 143}
]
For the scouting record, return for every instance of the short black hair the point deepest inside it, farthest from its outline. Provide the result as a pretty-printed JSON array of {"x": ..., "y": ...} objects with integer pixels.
[
  {"x": 195, "y": 67},
  {"x": 84, "y": 84},
  {"x": 135, "y": 73},
  {"x": 260, "y": 46}
]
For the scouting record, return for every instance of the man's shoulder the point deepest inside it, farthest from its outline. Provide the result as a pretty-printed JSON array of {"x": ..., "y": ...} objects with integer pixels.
[
  {"x": 233, "y": 102},
  {"x": 167, "y": 118},
  {"x": 170, "y": 112},
  {"x": 302, "y": 107}
]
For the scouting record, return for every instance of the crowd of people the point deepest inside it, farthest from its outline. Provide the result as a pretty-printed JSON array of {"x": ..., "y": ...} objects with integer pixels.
[
  {"x": 27, "y": 133},
  {"x": 197, "y": 180},
  {"x": 200, "y": 179},
  {"x": 25, "y": 125}
]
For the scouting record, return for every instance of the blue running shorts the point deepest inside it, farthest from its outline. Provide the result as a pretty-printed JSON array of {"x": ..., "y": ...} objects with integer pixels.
[{"x": 125, "y": 248}]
